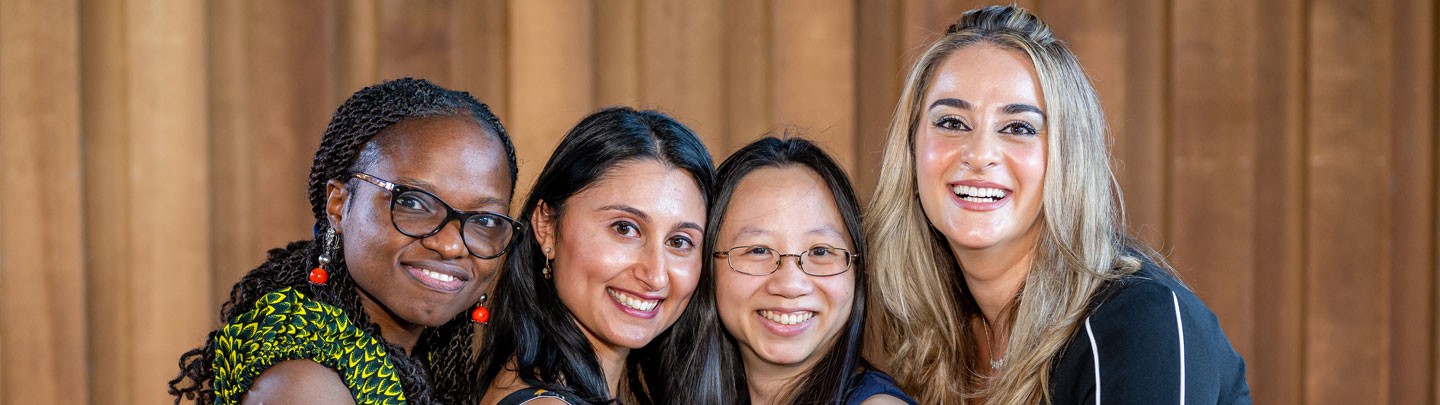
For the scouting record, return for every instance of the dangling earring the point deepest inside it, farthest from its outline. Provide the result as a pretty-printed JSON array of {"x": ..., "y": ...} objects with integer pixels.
[
  {"x": 480, "y": 314},
  {"x": 318, "y": 275},
  {"x": 546, "y": 271}
]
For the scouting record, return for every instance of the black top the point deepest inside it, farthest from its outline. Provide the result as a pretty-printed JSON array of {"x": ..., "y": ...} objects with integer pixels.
[
  {"x": 1149, "y": 340},
  {"x": 524, "y": 395},
  {"x": 874, "y": 383}
]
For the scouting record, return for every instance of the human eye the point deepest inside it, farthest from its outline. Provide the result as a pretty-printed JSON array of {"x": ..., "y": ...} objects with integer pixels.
[
  {"x": 1019, "y": 128},
  {"x": 951, "y": 123},
  {"x": 822, "y": 251},
  {"x": 413, "y": 202},
  {"x": 625, "y": 228},
  {"x": 487, "y": 221},
  {"x": 680, "y": 242},
  {"x": 755, "y": 251}
]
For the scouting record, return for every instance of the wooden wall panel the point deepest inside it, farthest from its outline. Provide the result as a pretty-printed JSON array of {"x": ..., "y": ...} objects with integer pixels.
[
  {"x": 1284, "y": 151},
  {"x": 1275, "y": 367},
  {"x": 271, "y": 102},
  {"x": 1213, "y": 156},
  {"x": 749, "y": 52},
  {"x": 42, "y": 266},
  {"x": 551, "y": 80},
  {"x": 813, "y": 86},
  {"x": 1410, "y": 26},
  {"x": 1347, "y": 327},
  {"x": 680, "y": 66}
]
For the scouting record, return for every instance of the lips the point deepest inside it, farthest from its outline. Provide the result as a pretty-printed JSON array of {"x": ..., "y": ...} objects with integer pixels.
[
  {"x": 439, "y": 278},
  {"x": 634, "y": 302}
]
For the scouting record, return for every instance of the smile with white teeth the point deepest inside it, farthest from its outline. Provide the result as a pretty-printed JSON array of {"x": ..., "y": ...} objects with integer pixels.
[
  {"x": 978, "y": 194},
  {"x": 633, "y": 302},
  {"x": 438, "y": 276},
  {"x": 787, "y": 318}
]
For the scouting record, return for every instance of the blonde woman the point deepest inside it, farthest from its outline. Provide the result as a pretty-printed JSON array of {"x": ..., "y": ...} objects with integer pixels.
[{"x": 1002, "y": 273}]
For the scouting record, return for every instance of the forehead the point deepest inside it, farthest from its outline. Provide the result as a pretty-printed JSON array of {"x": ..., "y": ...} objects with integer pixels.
[
  {"x": 983, "y": 72},
  {"x": 648, "y": 185},
  {"x": 775, "y": 197},
  {"x": 452, "y": 157}
]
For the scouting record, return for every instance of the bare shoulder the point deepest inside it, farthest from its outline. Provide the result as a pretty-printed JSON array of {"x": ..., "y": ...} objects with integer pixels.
[
  {"x": 298, "y": 382},
  {"x": 882, "y": 399}
]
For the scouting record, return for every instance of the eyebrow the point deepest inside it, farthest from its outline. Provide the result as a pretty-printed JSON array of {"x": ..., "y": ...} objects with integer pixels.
[
  {"x": 646, "y": 217},
  {"x": 1022, "y": 108},
  {"x": 822, "y": 230},
  {"x": 952, "y": 102}
]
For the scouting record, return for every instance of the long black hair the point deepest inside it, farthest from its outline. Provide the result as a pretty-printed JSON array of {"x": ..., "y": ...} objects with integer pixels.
[
  {"x": 531, "y": 327},
  {"x": 838, "y": 372},
  {"x": 439, "y": 370}
]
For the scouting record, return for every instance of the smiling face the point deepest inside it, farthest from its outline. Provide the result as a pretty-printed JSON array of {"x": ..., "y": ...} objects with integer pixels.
[
  {"x": 625, "y": 252},
  {"x": 980, "y": 153},
  {"x": 787, "y": 318},
  {"x": 409, "y": 282}
]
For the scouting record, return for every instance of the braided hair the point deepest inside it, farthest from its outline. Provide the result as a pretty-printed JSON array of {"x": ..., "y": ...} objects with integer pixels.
[{"x": 442, "y": 365}]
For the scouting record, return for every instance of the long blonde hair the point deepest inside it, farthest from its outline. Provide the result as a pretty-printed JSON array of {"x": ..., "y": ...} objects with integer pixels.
[{"x": 918, "y": 293}]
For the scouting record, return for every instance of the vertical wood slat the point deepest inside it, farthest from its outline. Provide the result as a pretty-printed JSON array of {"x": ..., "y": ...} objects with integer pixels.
[
  {"x": 617, "y": 52},
  {"x": 551, "y": 81},
  {"x": 356, "y": 47},
  {"x": 271, "y": 102},
  {"x": 42, "y": 279},
  {"x": 479, "y": 61},
  {"x": 1347, "y": 327},
  {"x": 1213, "y": 115},
  {"x": 1410, "y": 26},
  {"x": 680, "y": 65},
  {"x": 1275, "y": 367},
  {"x": 747, "y": 75},
  {"x": 879, "y": 76},
  {"x": 167, "y": 98},
  {"x": 415, "y": 41},
  {"x": 813, "y": 85}
]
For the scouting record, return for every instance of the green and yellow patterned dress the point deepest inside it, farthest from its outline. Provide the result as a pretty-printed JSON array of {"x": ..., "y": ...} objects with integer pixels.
[{"x": 287, "y": 326}]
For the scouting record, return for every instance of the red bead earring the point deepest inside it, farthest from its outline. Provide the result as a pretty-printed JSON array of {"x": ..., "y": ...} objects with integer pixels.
[
  {"x": 480, "y": 314},
  {"x": 318, "y": 275}
]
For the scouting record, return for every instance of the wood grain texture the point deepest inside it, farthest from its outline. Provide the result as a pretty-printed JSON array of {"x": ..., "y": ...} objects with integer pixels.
[
  {"x": 1213, "y": 116},
  {"x": 1349, "y": 205},
  {"x": 749, "y": 53},
  {"x": 1276, "y": 364},
  {"x": 813, "y": 86},
  {"x": 551, "y": 80},
  {"x": 680, "y": 61},
  {"x": 42, "y": 278}
]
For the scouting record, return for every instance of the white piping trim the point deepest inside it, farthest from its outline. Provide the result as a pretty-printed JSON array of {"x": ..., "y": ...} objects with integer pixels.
[
  {"x": 1094, "y": 350},
  {"x": 1180, "y": 328}
]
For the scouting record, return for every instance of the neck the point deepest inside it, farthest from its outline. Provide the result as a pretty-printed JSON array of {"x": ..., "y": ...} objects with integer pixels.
[
  {"x": 994, "y": 277},
  {"x": 767, "y": 381},
  {"x": 611, "y": 358},
  {"x": 393, "y": 329}
]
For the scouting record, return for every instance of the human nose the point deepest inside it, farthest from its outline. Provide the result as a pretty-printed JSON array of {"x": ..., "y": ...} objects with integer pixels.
[
  {"x": 652, "y": 272},
  {"x": 788, "y": 280},
  {"x": 448, "y": 242},
  {"x": 980, "y": 152}
]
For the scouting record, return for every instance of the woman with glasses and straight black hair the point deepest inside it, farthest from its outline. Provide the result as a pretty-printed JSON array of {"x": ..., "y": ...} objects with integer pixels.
[
  {"x": 790, "y": 282},
  {"x": 410, "y": 189}
]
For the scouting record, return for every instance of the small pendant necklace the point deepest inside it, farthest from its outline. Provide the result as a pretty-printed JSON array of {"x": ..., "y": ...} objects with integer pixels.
[{"x": 990, "y": 346}]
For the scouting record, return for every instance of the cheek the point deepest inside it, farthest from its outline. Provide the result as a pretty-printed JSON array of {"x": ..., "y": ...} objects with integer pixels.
[
  {"x": 840, "y": 294},
  {"x": 732, "y": 296}
]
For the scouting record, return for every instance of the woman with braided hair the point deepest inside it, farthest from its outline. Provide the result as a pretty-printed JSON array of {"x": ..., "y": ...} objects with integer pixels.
[
  {"x": 1001, "y": 269},
  {"x": 410, "y": 189}
]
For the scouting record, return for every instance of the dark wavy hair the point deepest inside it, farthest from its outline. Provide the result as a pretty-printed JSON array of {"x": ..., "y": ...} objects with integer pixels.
[
  {"x": 439, "y": 370},
  {"x": 532, "y": 328},
  {"x": 839, "y": 371}
]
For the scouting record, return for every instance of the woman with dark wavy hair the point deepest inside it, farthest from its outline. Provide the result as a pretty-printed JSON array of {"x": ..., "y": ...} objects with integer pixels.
[
  {"x": 410, "y": 187},
  {"x": 610, "y": 261}
]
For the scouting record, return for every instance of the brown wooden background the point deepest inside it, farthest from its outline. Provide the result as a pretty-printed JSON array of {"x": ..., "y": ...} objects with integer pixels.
[{"x": 1283, "y": 151}]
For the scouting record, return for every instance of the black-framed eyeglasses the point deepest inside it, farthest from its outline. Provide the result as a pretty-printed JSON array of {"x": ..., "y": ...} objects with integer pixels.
[
  {"x": 818, "y": 260},
  {"x": 419, "y": 214}
]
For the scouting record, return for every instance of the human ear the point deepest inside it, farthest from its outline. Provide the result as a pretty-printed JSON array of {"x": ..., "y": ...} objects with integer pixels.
[
  {"x": 337, "y": 196},
  {"x": 544, "y": 222}
]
